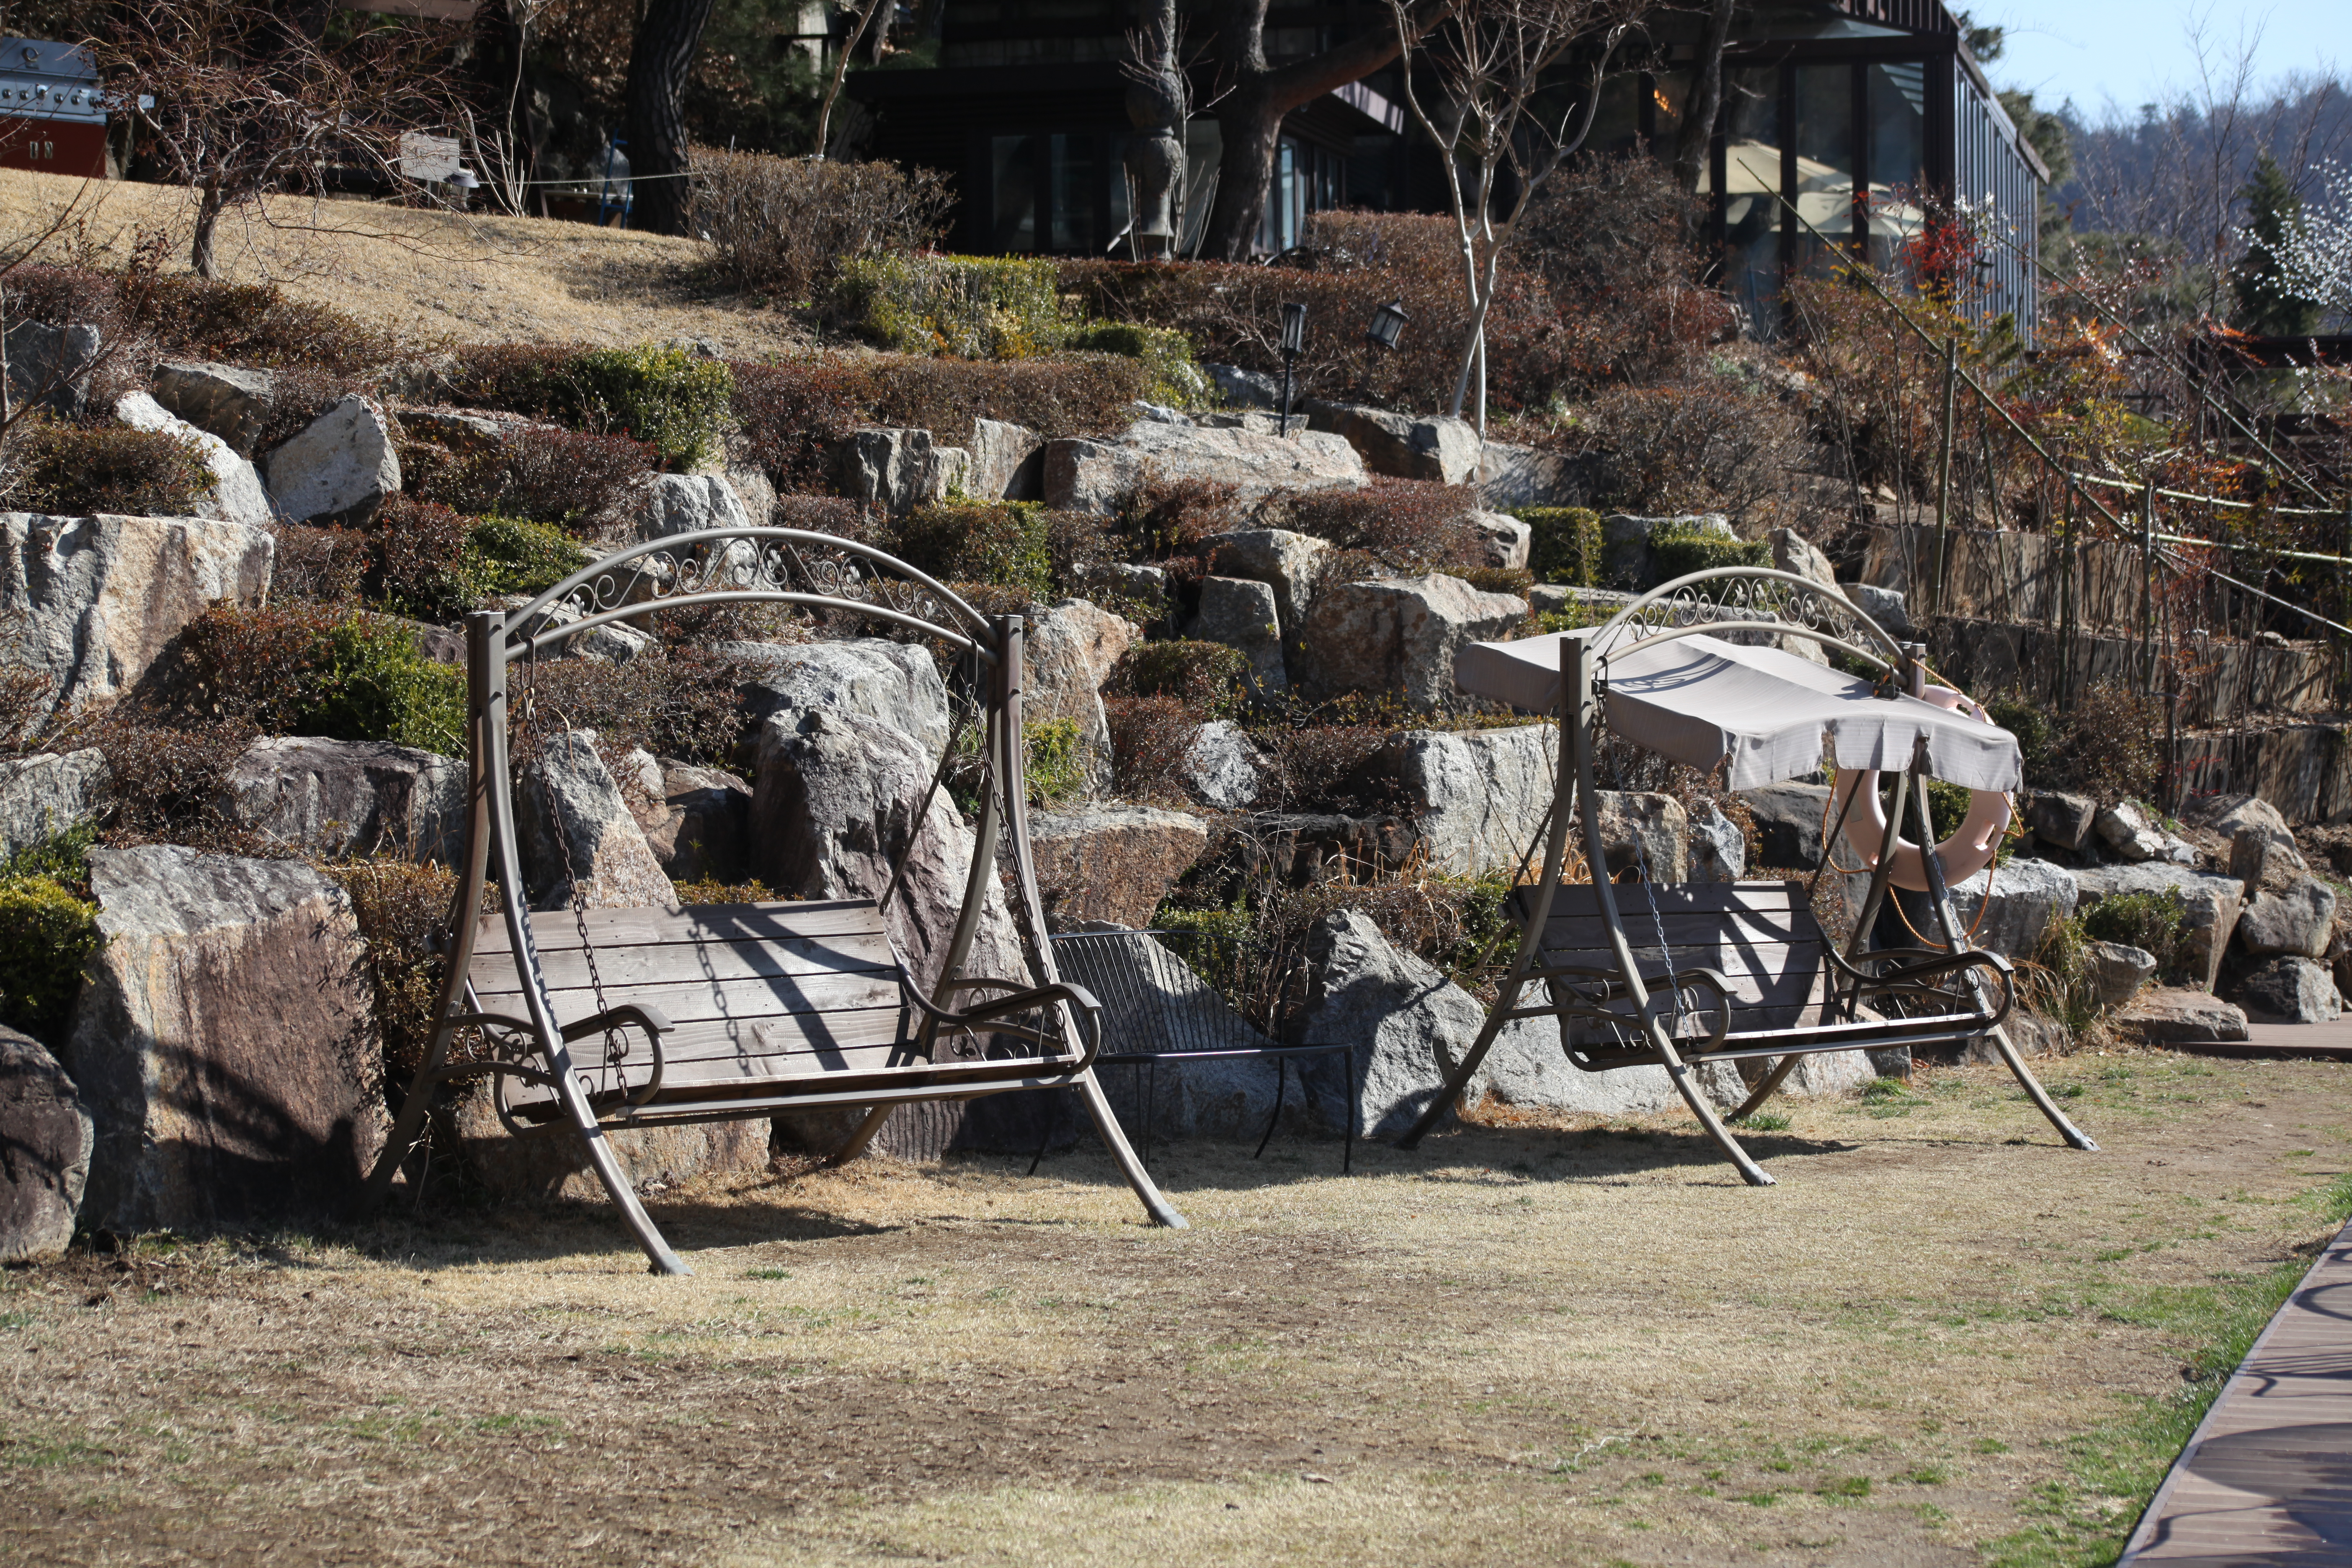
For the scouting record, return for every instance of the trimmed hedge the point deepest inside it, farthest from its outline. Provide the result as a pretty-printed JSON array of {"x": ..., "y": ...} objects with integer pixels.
[
  {"x": 671, "y": 398},
  {"x": 1565, "y": 545},
  {"x": 318, "y": 671},
  {"x": 973, "y": 307},
  {"x": 1678, "y": 552},
  {"x": 75, "y": 470}
]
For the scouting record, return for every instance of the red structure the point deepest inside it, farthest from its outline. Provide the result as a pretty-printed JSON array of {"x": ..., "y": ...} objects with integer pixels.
[{"x": 52, "y": 111}]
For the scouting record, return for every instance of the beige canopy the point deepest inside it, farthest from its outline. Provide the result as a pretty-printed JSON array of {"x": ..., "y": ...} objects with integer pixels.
[{"x": 1701, "y": 701}]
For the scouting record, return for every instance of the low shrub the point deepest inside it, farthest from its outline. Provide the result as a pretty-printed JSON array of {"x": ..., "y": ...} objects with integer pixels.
[
  {"x": 1149, "y": 737},
  {"x": 785, "y": 225},
  {"x": 671, "y": 398},
  {"x": 306, "y": 671},
  {"x": 973, "y": 307},
  {"x": 166, "y": 780},
  {"x": 572, "y": 479},
  {"x": 1409, "y": 525},
  {"x": 512, "y": 556},
  {"x": 401, "y": 909},
  {"x": 1201, "y": 673},
  {"x": 2108, "y": 745},
  {"x": 1715, "y": 445},
  {"x": 1499, "y": 579},
  {"x": 25, "y": 697},
  {"x": 1564, "y": 545},
  {"x": 791, "y": 415},
  {"x": 421, "y": 561},
  {"x": 1166, "y": 354},
  {"x": 1004, "y": 542},
  {"x": 77, "y": 469},
  {"x": 320, "y": 566},
  {"x": 1175, "y": 520},
  {"x": 1678, "y": 550},
  {"x": 1057, "y": 759},
  {"x": 47, "y": 934},
  {"x": 182, "y": 315},
  {"x": 1323, "y": 758},
  {"x": 2154, "y": 921},
  {"x": 673, "y": 701}
]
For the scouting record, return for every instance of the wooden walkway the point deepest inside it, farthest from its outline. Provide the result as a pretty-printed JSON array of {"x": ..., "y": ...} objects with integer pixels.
[{"x": 2268, "y": 1477}]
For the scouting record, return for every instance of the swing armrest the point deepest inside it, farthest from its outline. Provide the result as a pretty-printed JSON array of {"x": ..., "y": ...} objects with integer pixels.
[
  {"x": 1082, "y": 1004},
  {"x": 646, "y": 1016},
  {"x": 1917, "y": 967}
]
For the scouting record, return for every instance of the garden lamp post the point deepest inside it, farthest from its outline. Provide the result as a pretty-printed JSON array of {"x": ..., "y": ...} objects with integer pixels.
[
  {"x": 1389, "y": 323},
  {"x": 1294, "y": 338}
]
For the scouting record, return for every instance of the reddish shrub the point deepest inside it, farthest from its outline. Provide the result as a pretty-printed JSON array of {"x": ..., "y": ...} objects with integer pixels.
[
  {"x": 323, "y": 566},
  {"x": 1409, "y": 525},
  {"x": 1148, "y": 738},
  {"x": 1173, "y": 521},
  {"x": 419, "y": 561},
  {"x": 543, "y": 472}
]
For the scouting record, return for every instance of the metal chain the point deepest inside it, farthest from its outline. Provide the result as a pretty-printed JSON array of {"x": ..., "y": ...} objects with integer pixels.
[{"x": 616, "y": 1048}]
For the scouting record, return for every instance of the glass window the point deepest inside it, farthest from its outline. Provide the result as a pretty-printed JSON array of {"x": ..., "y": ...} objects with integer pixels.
[
  {"x": 1014, "y": 184},
  {"x": 1204, "y": 146},
  {"x": 1824, "y": 138},
  {"x": 1617, "y": 122},
  {"x": 1074, "y": 193},
  {"x": 1896, "y": 95},
  {"x": 1751, "y": 174},
  {"x": 1669, "y": 96}
]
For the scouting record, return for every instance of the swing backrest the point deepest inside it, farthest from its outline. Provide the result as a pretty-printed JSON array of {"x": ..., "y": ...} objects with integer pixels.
[{"x": 1761, "y": 937}]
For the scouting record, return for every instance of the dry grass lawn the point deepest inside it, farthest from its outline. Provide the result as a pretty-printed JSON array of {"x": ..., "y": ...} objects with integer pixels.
[
  {"x": 433, "y": 277},
  {"x": 1522, "y": 1344}
]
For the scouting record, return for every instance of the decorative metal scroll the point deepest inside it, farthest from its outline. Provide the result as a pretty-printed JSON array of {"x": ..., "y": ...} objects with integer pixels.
[
  {"x": 1745, "y": 598},
  {"x": 761, "y": 563}
]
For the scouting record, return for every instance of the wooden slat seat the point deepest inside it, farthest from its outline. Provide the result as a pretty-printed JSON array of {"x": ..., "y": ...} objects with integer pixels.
[
  {"x": 1759, "y": 938},
  {"x": 759, "y": 999}
]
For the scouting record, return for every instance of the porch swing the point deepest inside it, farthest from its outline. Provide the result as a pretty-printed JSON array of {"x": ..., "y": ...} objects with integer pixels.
[
  {"x": 741, "y": 1011},
  {"x": 1741, "y": 972}
]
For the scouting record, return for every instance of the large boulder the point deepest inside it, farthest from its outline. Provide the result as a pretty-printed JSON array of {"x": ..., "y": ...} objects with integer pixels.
[
  {"x": 2232, "y": 815},
  {"x": 334, "y": 798},
  {"x": 2292, "y": 991},
  {"x": 1068, "y": 651},
  {"x": 576, "y": 828},
  {"x": 1408, "y": 1024},
  {"x": 1284, "y": 560},
  {"x": 899, "y": 469},
  {"x": 47, "y": 794},
  {"x": 1718, "y": 851},
  {"x": 230, "y": 401},
  {"x": 1008, "y": 462},
  {"x": 1885, "y": 605},
  {"x": 50, "y": 367},
  {"x": 1399, "y": 635},
  {"x": 1506, "y": 540},
  {"x": 892, "y": 683},
  {"x": 697, "y": 821},
  {"x": 2126, "y": 829},
  {"x": 1111, "y": 864},
  {"x": 1516, "y": 476},
  {"x": 340, "y": 469},
  {"x": 2167, "y": 1015},
  {"x": 1479, "y": 795},
  {"x": 1153, "y": 1001},
  {"x": 2211, "y": 904},
  {"x": 1625, "y": 559},
  {"x": 2297, "y": 922},
  {"x": 2118, "y": 971},
  {"x": 1241, "y": 613},
  {"x": 1788, "y": 820},
  {"x": 1793, "y": 552},
  {"x": 238, "y": 495},
  {"x": 2060, "y": 820},
  {"x": 1092, "y": 476},
  {"x": 45, "y": 1144},
  {"x": 1646, "y": 832},
  {"x": 2024, "y": 897},
  {"x": 661, "y": 505},
  {"x": 91, "y": 602},
  {"x": 1222, "y": 767},
  {"x": 1441, "y": 449},
  {"x": 223, "y": 1042}
]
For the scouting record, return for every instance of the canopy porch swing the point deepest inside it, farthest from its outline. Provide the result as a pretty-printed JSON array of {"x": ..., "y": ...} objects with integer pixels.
[
  {"x": 1730, "y": 972},
  {"x": 741, "y": 1011}
]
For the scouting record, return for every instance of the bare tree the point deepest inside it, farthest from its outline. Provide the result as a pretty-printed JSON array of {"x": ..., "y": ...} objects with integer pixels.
[
  {"x": 1499, "y": 120},
  {"x": 1696, "y": 136},
  {"x": 1253, "y": 95},
  {"x": 244, "y": 105},
  {"x": 861, "y": 19}
]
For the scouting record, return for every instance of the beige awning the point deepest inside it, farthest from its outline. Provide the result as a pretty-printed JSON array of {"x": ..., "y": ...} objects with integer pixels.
[{"x": 1702, "y": 700}]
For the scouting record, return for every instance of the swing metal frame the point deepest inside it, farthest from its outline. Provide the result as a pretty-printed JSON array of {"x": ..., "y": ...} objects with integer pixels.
[
  {"x": 1966, "y": 993},
  {"x": 1051, "y": 1027}
]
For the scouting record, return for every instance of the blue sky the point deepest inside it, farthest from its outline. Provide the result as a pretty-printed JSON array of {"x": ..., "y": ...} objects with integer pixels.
[{"x": 2131, "y": 50}]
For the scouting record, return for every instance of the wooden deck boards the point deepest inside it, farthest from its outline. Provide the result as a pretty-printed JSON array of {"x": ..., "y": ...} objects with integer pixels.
[{"x": 2268, "y": 1477}]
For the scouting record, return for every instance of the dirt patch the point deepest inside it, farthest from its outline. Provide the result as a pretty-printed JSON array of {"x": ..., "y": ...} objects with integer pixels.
[
  {"x": 432, "y": 276},
  {"x": 1519, "y": 1345}
]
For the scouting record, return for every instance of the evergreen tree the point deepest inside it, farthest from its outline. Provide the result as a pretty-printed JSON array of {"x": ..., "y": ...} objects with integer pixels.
[{"x": 2267, "y": 304}]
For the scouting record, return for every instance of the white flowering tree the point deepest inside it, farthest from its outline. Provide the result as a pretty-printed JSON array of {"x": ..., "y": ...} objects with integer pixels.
[{"x": 2314, "y": 255}]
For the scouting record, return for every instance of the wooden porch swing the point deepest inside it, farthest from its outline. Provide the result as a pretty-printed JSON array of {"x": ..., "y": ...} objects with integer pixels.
[
  {"x": 1727, "y": 972},
  {"x": 741, "y": 1011}
]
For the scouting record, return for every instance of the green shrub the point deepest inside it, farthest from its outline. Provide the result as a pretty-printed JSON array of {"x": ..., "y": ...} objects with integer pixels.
[
  {"x": 1677, "y": 552},
  {"x": 1056, "y": 758},
  {"x": 1566, "y": 545},
  {"x": 77, "y": 469},
  {"x": 670, "y": 398},
  {"x": 1199, "y": 672},
  {"x": 47, "y": 934},
  {"x": 2154, "y": 921},
  {"x": 421, "y": 561},
  {"x": 1499, "y": 579},
  {"x": 311, "y": 671},
  {"x": 974, "y": 307},
  {"x": 517, "y": 557},
  {"x": 1004, "y": 543},
  {"x": 1168, "y": 354}
]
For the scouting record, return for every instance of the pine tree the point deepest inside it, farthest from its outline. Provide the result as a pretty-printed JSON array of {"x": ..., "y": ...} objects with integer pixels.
[{"x": 2267, "y": 305}]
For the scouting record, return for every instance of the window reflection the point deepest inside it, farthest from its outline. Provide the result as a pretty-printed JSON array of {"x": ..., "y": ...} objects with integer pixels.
[
  {"x": 1824, "y": 138},
  {"x": 1896, "y": 97},
  {"x": 1074, "y": 191},
  {"x": 1015, "y": 164},
  {"x": 1751, "y": 174}
]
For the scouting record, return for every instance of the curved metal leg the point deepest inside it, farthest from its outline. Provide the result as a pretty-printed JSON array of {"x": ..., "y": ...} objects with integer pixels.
[
  {"x": 1766, "y": 1089},
  {"x": 1281, "y": 1083},
  {"x": 1107, "y": 1124},
  {"x": 608, "y": 1171},
  {"x": 1701, "y": 1107},
  {"x": 2074, "y": 1135}
]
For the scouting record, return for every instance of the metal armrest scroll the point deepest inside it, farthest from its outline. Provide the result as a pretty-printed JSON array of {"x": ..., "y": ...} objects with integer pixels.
[
  {"x": 1612, "y": 987},
  {"x": 1083, "y": 1005},
  {"x": 1916, "y": 967}
]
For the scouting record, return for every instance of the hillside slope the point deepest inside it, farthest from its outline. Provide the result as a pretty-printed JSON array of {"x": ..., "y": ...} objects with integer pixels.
[{"x": 428, "y": 275}]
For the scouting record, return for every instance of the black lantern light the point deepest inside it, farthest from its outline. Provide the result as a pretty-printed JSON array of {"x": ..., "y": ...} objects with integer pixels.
[
  {"x": 1389, "y": 323},
  {"x": 1294, "y": 338}
]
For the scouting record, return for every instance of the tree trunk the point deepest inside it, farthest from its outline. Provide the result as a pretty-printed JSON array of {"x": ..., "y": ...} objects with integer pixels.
[
  {"x": 1156, "y": 103},
  {"x": 864, "y": 17},
  {"x": 200, "y": 248},
  {"x": 1250, "y": 125},
  {"x": 1695, "y": 140},
  {"x": 658, "y": 61}
]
